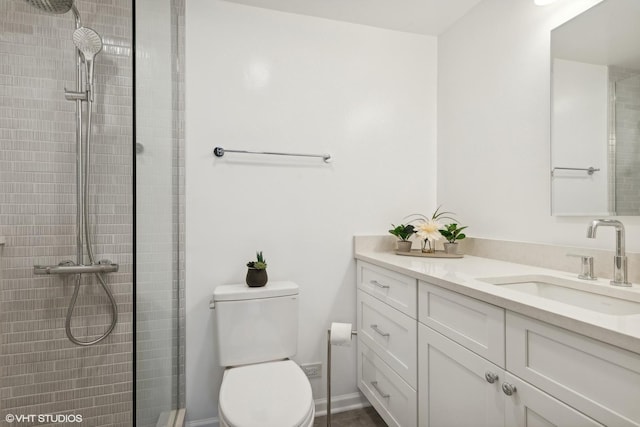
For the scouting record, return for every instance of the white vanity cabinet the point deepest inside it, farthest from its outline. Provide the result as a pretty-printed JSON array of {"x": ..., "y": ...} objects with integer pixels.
[
  {"x": 433, "y": 357},
  {"x": 387, "y": 343},
  {"x": 598, "y": 379},
  {"x": 459, "y": 388},
  {"x": 483, "y": 366}
]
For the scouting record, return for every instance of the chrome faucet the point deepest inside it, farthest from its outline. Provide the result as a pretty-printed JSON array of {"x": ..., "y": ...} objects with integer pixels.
[{"x": 620, "y": 259}]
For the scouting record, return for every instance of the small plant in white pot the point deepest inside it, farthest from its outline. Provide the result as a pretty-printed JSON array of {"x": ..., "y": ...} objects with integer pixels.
[
  {"x": 452, "y": 233},
  {"x": 403, "y": 232}
]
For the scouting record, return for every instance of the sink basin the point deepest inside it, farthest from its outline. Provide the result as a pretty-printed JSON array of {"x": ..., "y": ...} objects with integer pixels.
[{"x": 579, "y": 294}]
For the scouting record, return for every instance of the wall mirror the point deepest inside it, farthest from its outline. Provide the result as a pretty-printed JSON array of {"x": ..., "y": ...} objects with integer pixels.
[{"x": 595, "y": 112}]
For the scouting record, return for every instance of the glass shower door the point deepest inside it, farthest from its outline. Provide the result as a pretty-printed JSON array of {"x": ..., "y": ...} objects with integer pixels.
[{"x": 159, "y": 318}]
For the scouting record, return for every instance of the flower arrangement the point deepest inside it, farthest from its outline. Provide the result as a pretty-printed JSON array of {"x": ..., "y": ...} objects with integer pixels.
[
  {"x": 259, "y": 264},
  {"x": 430, "y": 229}
]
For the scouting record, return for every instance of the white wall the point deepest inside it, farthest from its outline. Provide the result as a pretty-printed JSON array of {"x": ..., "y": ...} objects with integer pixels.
[
  {"x": 265, "y": 80},
  {"x": 493, "y": 125},
  {"x": 579, "y": 131}
]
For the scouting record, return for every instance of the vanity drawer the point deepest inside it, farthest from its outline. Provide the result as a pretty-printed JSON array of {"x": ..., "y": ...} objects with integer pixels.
[
  {"x": 599, "y": 380},
  {"x": 391, "y": 334},
  {"x": 390, "y": 395},
  {"x": 474, "y": 324},
  {"x": 397, "y": 290}
]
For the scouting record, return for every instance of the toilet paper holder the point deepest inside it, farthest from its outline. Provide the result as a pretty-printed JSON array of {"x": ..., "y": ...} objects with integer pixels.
[{"x": 329, "y": 374}]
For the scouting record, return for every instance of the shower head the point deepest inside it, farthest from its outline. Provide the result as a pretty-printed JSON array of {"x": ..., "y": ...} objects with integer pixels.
[
  {"x": 89, "y": 43},
  {"x": 52, "y": 6}
]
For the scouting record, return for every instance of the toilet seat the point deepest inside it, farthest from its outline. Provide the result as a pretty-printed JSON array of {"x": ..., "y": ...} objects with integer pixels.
[{"x": 272, "y": 394}]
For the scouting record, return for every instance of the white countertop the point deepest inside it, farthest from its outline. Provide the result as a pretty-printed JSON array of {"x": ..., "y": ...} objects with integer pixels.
[{"x": 461, "y": 275}]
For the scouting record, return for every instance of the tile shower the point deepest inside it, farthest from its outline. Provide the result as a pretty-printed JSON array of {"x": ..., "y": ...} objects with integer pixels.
[{"x": 41, "y": 372}]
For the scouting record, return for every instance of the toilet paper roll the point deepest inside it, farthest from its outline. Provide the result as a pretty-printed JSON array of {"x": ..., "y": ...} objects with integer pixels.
[{"x": 341, "y": 334}]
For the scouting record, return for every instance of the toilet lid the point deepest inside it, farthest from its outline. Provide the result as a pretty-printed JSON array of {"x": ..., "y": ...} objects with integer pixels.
[{"x": 273, "y": 394}]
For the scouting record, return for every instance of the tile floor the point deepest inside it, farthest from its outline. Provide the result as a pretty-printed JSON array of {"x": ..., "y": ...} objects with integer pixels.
[{"x": 365, "y": 417}]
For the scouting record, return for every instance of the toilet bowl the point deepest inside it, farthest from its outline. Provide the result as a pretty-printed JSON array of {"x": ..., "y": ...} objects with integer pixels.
[{"x": 271, "y": 394}]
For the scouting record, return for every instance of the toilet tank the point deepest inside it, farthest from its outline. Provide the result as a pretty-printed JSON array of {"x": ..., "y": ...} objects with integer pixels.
[{"x": 256, "y": 324}]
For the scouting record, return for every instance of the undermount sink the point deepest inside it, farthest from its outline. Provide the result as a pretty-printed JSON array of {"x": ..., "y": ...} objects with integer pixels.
[{"x": 579, "y": 294}]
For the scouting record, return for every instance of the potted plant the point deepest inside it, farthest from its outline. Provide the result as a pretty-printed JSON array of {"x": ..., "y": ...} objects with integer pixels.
[
  {"x": 257, "y": 272},
  {"x": 403, "y": 232},
  {"x": 452, "y": 233}
]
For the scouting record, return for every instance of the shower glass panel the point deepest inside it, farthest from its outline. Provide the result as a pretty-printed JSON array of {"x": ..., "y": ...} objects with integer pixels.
[{"x": 159, "y": 214}]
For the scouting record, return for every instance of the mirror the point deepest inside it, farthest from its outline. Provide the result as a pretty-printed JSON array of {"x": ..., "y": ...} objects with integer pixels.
[{"x": 595, "y": 112}]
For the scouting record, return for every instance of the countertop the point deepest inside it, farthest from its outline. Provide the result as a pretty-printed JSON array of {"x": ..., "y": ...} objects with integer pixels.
[{"x": 461, "y": 275}]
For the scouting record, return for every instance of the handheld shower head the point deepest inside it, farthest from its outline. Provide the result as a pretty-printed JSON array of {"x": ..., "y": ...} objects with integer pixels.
[
  {"x": 52, "y": 6},
  {"x": 89, "y": 43}
]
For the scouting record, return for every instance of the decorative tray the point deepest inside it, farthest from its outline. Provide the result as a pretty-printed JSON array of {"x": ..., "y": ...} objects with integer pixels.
[{"x": 436, "y": 254}]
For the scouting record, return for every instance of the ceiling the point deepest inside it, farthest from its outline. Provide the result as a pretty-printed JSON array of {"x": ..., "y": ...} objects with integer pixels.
[{"x": 430, "y": 17}]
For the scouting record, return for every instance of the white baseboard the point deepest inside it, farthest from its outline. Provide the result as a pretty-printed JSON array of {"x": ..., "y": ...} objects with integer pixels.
[{"x": 345, "y": 402}]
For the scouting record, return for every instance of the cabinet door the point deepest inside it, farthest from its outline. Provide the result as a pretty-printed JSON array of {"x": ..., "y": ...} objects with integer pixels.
[
  {"x": 597, "y": 379},
  {"x": 530, "y": 407},
  {"x": 453, "y": 389}
]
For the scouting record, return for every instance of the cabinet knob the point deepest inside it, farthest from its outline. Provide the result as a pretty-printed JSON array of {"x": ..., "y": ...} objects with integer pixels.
[
  {"x": 508, "y": 389},
  {"x": 490, "y": 377}
]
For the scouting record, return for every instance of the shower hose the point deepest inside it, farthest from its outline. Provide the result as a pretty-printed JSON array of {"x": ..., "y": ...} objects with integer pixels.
[{"x": 99, "y": 276}]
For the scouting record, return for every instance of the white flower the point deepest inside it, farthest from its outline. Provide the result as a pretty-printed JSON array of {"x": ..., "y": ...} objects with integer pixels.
[{"x": 429, "y": 229}]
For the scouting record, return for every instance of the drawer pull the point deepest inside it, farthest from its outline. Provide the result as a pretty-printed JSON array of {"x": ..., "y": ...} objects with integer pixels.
[
  {"x": 508, "y": 389},
  {"x": 375, "y": 328},
  {"x": 380, "y": 392},
  {"x": 491, "y": 377},
  {"x": 378, "y": 284}
]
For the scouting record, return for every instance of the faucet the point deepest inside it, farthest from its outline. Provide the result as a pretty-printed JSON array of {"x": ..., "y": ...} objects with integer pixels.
[{"x": 620, "y": 259}]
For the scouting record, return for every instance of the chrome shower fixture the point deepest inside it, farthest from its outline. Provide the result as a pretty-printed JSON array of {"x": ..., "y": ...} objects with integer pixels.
[
  {"x": 89, "y": 43},
  {"x": 52, "y": 6}
]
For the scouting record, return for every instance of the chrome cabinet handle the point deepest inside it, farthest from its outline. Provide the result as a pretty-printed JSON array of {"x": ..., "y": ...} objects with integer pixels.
[
  {"x": 383, "y": 394},
  {"x": 508, "y": 389},
  {"x": 490, "y": 377},
  {"x": 378, "y": 284},
  {"x": 375, "y": 328}
]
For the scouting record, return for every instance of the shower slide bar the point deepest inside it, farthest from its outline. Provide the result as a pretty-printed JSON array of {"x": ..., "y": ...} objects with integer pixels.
[
  {"x": 219, "y": 152},
  {"x": 590, "y": 170}
]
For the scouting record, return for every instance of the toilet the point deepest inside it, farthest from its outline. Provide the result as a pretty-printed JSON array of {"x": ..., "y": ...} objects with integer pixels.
[{"x": 257, "y": 331}]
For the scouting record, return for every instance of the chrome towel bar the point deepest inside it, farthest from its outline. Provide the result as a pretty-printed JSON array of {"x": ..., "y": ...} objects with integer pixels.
[
  {"x": 219, "y": 152},
  {"x": 590, "y": 170}
]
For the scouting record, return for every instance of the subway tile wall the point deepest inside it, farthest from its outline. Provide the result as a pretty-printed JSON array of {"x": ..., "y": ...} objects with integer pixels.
[
  {"x": 627, "y": 133},
  {"x": 41, "y": 372}
]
